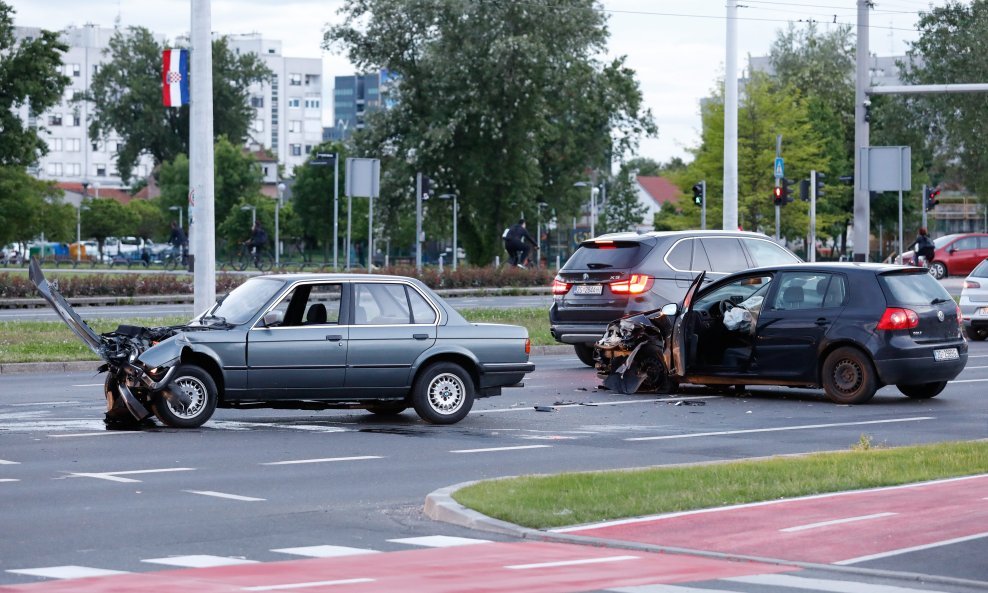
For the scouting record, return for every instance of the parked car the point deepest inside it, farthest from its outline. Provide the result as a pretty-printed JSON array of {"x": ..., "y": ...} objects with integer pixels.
[
  {"x": 382, "y": 343},
  {"x": 974, "y": 302},
  {"x": 624, "y": 273},
  {"x": 849, "y": 328},
  {"x": 955, "y": 255}
]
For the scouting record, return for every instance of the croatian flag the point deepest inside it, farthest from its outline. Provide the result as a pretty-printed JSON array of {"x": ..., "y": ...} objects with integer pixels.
[{"x": 175, "y": 77}]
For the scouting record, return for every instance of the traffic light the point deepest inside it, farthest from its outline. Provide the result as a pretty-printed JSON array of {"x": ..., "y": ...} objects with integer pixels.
[
  {"x": 426, "y": 187},
  {"x": 778, "y": 197},
  {"x": 787, "y": 193},
  {"x": 930, "y": 198},
  {"x": 804, "y": 190},
  {"x": 698, "y": 194},
  {"x": 819, "y": 184}
]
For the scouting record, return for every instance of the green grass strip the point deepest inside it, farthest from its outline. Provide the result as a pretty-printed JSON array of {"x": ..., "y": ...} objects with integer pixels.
[{"x": 575, "y": 498}]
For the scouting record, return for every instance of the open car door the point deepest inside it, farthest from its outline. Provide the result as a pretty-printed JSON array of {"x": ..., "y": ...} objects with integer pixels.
[
  {"x": 678, "y": 338},
  {"x": 64, "y": 309}
]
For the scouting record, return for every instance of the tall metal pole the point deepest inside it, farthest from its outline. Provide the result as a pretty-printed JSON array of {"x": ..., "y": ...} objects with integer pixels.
[
  {"x": 78, "y": 233},
  {"x": 703, "y": 206},
  {"x": 349, "y": 219},
  {"x": 418, "y": 223},
  {"x": 811, "y": 248},
  {"x": 456, "y": 251},
  {"x": 370, "y": 233},
  {"x": 778, "y": 181},
  {"x": 901, "y": 244},
  {"x": 593, "y": 209},
  {"x": 336, "y": 207},
  {"x": 862, "y": 205},
  {"x": 201, "y": 191},
  {"x": 922, "y": 205},
  {"x": 731, "y": 120}
]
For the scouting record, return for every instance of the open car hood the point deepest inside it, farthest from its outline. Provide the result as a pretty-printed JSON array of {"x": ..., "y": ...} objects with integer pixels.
[{"x": 64, "y": 309}]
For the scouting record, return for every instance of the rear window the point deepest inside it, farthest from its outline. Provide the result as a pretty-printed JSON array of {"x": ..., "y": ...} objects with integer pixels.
[
  {"x": 766, "y": 253},
  {"x": 618, "y": 254},
  {"x": 918, "y": 288},
  {"x": 981, "y": 271}
]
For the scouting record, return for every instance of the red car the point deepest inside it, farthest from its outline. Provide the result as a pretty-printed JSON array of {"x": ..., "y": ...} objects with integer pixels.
[{"x": 955, "y": 255}]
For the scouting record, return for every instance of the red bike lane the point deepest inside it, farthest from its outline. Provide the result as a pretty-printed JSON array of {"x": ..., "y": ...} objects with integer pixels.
[{"x": 838, "y": 528}]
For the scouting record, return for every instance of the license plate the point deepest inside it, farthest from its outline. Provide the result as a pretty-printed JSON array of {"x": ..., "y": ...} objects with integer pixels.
[
  {"x": 588, "y": 289},
  {"x": 982, "y": 311},
  {"x": 945, "y": 354}
]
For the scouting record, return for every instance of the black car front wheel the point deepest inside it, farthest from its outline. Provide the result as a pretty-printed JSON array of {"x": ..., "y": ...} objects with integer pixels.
[
  {"x": 848, "y": 376},
  {"x": 189, "y": 400},
  {"x": 443, "y": 393},
  {"x": 388, "y": 408},
  {"x": 922, "y": 390},
  {"x": 585, "y": 353}
]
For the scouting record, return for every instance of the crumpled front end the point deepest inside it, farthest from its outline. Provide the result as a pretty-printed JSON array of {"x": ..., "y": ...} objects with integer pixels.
[{"x": 633, "y": 356}]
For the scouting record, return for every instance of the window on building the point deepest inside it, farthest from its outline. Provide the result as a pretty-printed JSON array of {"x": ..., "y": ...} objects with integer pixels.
[
  {"x": 76, "y": 120},
  {"x": 55, "y": 169},
  {"x": 295, "y": 79},
  {"x": 257, "y": 102},
  {"x": 73, "y": 169},
  {"x": 295, "y": 125},
  {"x": 73, "y": 145},
  {"x": 74, "y": 70},
  {"x": 55, "y": 145},
  {"x": 311, "y": 79},
  {"x": 258, "y": 125},
  {"x": 308, "y": 149},
  {"x": 99, "y": 169},
  {"x": 117, "y": 147},
  {"x": 296, "y": 149},
  {"x": 312, "y": 103},
  {"x": 295, "y": 102},
  {"x": 55, "y": 119}
]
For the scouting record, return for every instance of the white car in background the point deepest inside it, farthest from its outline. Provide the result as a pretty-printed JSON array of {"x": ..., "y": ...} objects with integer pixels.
[{"x": 974, "y": 303}]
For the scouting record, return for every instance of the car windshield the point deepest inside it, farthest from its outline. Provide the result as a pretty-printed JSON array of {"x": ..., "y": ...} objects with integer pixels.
[
  {"x": 244, "y": 301},
  {"x": 917, "y": 288}
]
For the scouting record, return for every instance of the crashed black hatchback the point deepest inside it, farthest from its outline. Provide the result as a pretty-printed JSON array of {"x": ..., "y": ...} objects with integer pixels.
[{"x": 849, "y": 328}]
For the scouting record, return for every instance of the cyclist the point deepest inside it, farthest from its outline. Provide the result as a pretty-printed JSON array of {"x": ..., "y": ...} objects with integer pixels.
[
  {"x": 178, "y": 241},
  {"x": 515, "y": 238},
  {"x": 257, "y": 242},
  {"x": 924, "y": 247}
]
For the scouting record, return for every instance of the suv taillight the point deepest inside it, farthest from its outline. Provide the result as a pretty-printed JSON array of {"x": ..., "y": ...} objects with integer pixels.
[
  {"x": 637, "y": 284},
  {"x": 895, "y": 318},
  {"x": 559, "y": 287}
]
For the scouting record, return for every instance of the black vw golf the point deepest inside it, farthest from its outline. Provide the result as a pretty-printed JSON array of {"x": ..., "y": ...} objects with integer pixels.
[{"x": 849, "y": 328}]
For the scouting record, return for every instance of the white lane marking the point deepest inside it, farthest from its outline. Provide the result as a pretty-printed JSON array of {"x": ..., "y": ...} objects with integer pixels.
[
  {"x": 969, "y": 368},
  {"x": 304, "y": 585},
  {"x": 517, "y": 448},
  {"x": 323, "y": 460},
  {"x": 440, "y": 541},
  {"x": 199, "y": 561},
  {"x": 794, "y": 582},
  {"x": 66, "y": 572},
  {"x": 93, "y": 434},
  {"x": 601, "y": 403},
  {"x": 777, "y": 429},
  {"x": 6, "y": 462},
  {"x": 225, "y": 495},
  {"x": 968, "y": 381},
  {"x": 571, "y": 562},
  {"x": 44, "y": 403},
  {"x": 325, "y": 551},
  {"x": 748, "y": 505},
  {"x": 9, "y": 480},
  {"x": 836, "y": 522},
  {"x": 241, "y": 425},
  {"x": 945, "y": 542},
  {"x": 115, "y": 476}
]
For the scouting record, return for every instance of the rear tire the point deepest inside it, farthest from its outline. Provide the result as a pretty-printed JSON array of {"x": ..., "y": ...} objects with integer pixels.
[
  {"x": 585, "y": 353},
  {"x": 976, "y": 335},
  {"x": 922, "y": 390},
  {"x": 443, "y": 393},
  {"x": 938, "y": 270},
  {"x": 848, "y": 376},
  {"x": 198, "y": 386}
]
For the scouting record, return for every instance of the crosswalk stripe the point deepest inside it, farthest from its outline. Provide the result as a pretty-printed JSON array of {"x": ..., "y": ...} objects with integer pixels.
[
  {"x": 325, "y": 551},
  {"x": 439, "y": 541},
  {"x": 831, "y": 586},
  {"x": 66, "y": 572},
  {"x": 199, "y": 561}
]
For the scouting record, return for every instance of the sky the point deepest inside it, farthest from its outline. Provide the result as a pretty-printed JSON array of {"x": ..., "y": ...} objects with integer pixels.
[{"x": 677, "y": 48}]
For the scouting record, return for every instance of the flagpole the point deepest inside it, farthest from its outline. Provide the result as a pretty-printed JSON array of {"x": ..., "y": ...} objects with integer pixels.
[{"x": 201, "y": 185}]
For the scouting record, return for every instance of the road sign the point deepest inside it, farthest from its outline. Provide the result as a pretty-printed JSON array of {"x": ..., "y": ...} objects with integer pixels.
[{"x": 779, "y": 168}]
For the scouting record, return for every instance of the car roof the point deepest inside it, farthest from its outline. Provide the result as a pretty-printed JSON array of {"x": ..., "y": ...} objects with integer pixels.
[
  {"x": 633, "y": 236},
  {"x": 335, "y": 276},
  {"x": 873, "y": 267}
]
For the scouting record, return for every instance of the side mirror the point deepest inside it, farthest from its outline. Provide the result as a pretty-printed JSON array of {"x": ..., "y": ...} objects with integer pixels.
[
  {"x": 670, "y": 310},
  {"x": 271, "y": 318}
]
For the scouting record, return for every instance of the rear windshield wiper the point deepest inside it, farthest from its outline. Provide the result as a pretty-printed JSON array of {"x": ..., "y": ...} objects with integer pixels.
[
  {"x": 597, "y": 266},
  {"x": 939, "y": 300}
]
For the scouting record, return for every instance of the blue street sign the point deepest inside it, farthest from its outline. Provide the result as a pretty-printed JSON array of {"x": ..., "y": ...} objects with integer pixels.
[{"x": 779, "y": 168}]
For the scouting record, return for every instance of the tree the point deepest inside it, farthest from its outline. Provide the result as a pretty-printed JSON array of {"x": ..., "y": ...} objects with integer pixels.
[
  {"x": 506, "y": 104},
  {"x": 106, "y": 217},
  {"x": 149, "y": 220},
  {"x": 622, "y": 211},
  {"x": 29, "y": 75},
  {"x": 126, "y": 98},
  {"x": 25, "y": 207},
  {"x": 312, "y": 198}
]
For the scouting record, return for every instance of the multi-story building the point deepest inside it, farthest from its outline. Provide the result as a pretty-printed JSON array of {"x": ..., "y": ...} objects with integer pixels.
[
  {"x": 72, "y": 156},
  {"x": 288, "y": 108},
  {"x": 353, "y": 98}
]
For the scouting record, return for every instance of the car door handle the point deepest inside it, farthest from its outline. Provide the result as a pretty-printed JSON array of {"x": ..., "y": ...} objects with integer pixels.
[
  {"x": 822, "y": 321},
  {"x": 420, "y": 336},
  {"x": 334, "y": 337}
]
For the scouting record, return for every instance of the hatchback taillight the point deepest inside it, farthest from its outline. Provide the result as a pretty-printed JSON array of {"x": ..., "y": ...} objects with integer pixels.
[
  {"x": 637, "y": 284},
  {"x": 971, "y": 284},
  {"x": 895, "y": 318},
  {"x": 559, "y": 287},
  {"x": 960, "y": 316}
]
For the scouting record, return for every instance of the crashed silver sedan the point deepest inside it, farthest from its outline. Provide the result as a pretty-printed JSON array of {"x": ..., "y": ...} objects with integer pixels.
[{"x": 305, "y": 341}]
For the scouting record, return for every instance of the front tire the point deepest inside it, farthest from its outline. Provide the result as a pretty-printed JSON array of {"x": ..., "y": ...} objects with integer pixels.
[
  {"x": 848, "y": 376},
  {"x": 443, "y": 393},
  {"x": 585, "y": 353},
  {"x": 191, "y": 401},
  {"x": 922, "y": 390},
  {"x": 388, "y": 408},
  {"x": 938, "y": 270}
]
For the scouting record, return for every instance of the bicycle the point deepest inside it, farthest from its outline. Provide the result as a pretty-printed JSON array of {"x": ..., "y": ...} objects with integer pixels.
[
  {"x": 173, "y": 260},
  {"x": 248, "y": 256}
]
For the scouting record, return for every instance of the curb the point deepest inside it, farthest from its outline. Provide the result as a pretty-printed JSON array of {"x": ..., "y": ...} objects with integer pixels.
[{"x": 440, "y": 506}]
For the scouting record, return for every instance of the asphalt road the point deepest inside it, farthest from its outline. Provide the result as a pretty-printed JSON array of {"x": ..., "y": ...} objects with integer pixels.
[{"x": 265, "y": 486}]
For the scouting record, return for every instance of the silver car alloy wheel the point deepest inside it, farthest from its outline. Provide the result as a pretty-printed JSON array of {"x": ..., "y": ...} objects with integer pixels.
[
  {"x": 194, "y": 390},
  {"x": 446, "y": 393}
]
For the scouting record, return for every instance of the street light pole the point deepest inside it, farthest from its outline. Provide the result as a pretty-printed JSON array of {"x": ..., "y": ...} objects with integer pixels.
[
  {"x": 593, "y": 203},
  {"x": 277, "y": 223},
  {"x": 456, "y": 212}
]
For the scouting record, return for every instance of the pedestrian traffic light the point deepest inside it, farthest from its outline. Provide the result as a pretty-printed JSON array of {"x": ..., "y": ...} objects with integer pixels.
[
  {"x": 698, "y": 194},
  {"x": 819, "y": 184},
  {"x": 930, "y": 198},
  {"x": 778, "y": 198}
]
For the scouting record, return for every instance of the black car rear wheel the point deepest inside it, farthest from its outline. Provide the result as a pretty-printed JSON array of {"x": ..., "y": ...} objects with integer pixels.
[
  {"x": 848, "y": 376},
  {"x": 922, "y": 390},
  {"x": 189, "y": 400},
  {"x": 443, "y": 393},
  {"x": 585, "y": 353}
]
